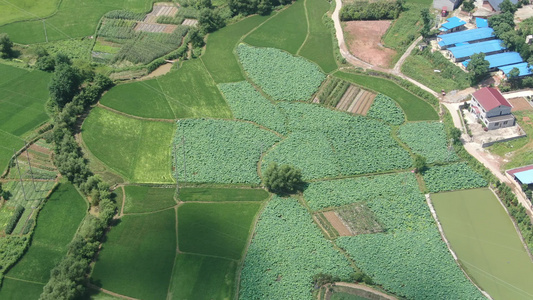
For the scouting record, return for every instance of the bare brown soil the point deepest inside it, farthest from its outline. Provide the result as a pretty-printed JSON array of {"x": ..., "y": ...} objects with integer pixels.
[
  {"x": 364, "y": 41},
  {"x": 520, "y": 104},
  {"x": 161, "y": 70},
  {"x": 337, "y": 223}
]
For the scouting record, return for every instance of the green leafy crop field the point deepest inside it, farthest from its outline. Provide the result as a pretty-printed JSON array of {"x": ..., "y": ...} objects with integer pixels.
[
  {"x": 138, "y": 256},
  {"x": 138, "y": 150},
  {"x": 56, "y": 225},
  {"x": 219, "y": 57},
  {"x": 73, "y": 19},
  {"x": 414, "y": 108},
  {"x": 287, "y": 30},
  {"x": 140, "y": 199},
  {"x": 318, "y": 46},
  {"x": 486, "y": 242},
  {"x": 217, "y": 229},
  {"x": 222, "y": 194},
  {"x": 189, "y": 92}
]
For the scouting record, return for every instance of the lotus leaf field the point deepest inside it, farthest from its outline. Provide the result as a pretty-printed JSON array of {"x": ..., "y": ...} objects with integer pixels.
[
  {"x": 432, "y": 144},
  {"x": 280, "y": 75},
  {"x": 287, "y": 250},
  {"x": 452, "y": 177},
  {"x": 386, "y": 109}
]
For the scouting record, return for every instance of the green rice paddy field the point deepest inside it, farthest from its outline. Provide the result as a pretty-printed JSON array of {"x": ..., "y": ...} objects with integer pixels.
[
  {"x": 71, "y": 20},
  {"x": 189, "y": 92},
  {"x": 486, "y": 242},
  {"x": 49, "y": 243},
  {"x": 140, "y": 199},
  {"x": 136, "y": 149}
]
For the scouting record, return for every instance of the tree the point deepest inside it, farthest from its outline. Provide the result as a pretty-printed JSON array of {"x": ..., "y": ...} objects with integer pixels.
[
  {"x": 420, "y": 163},
  {"x": 284, "y": 179},
  {"x": 478, "y": 67},
  {"x": 210, "y": 20},
  {"x": 512, "y": 77},
  {"x": 6, "y": 46},
  {"x": 426, "y": 20},
  {"x": 507, "y": 6},
  {"x": 64, "y": 84},
  {"x": 468, "y": 6},
  {"x": 455, "y": 134}
]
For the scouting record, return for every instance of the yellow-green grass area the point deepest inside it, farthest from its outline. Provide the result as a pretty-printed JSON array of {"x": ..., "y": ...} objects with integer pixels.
[
  {"x": 210, "y": 194},
  {"x": 318, "y": 46},
  {"x": 17, "y": 289},
  {"x": 406, "y": 28},
  {"x": 26, "y": 9},
  {"x": 519, "y": 152},
  {"x": 203, "y": 278},
  {"x": 23, "y": 95},
  {"x": 287, "y": 30},
  {"x": 137, "y": 258},
  {"x": 414, "y": 107},
  {"x": 486, "y": 242},
  {"x": 219, "y": 57},
  {"x": 189, "y": 92},
  {"x": 56, "y": 225},
  {"x": 73, "y": 19},
  {"x": 141, "y": 199},
  {"x": 218, "y": 229},
  {"x": 138, "y": 150},
  {"x": 423, "y": 69}
]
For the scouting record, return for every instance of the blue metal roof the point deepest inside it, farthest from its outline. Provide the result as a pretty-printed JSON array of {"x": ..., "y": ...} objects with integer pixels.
[
  {"x": 452, "y": 23},
  {"x": 483, "y": 47},
  {"x": 522, "y": 67},
  {"x": 481, "y": 23},
  {"x": 501, "y": 59},
  {"x": 525, "y": 177},
  {"x": 465, "y": 36}
]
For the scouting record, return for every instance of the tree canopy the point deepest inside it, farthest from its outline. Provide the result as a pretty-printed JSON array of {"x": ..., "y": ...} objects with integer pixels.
[
  {"x": 478, "y": 67},
  {"x": 284, "y": 179},
  {"x": 6, "y": 46}
]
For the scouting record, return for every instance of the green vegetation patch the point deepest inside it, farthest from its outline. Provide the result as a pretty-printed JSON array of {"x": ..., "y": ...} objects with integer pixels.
[
  {"x": 248, "y": 104},
  {"x": 414, "y": 108},
  {"x": 386, "y": 109},
  {"x": 279, "y": 74},
  {"x": 287, "y": 30},
  {"x": 17, "y": 289},
  {"x": 285, "y": 253},
  {"x": 187, "y": 93},
  {"x": 483, "y": 237},
  {"x": 359, "y": 218},
  {"x": 218, "y": 229},
  {"x": 220, "y": 151},
  {"x": 56, "y": 225},
  {"x": 138, "y": 256},
  {"x": 452, "y": 177},
  {"x": 318, "y": 46},
  {"x": 222, "y": 194},
  {"x": 138, "y": 150},
  {"x": 203, "y": 278},
  {"x": 219, "y": 58},
  {"x": 429, "y": 140},
  {"x": 73, "y": 19},
  {"x": 141, "y": 199}
]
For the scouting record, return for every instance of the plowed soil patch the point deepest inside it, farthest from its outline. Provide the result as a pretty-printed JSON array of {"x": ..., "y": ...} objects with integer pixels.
[
  {"x": 337, "y": 223},
  {"x": 364, "y": 41},
  {"x": 520, "y": 104}
]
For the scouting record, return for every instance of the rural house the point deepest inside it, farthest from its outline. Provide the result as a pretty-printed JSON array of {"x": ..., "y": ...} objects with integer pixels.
[
  {"x": 446, "y": 4},
  {"x": 489, "y": 106},
  {"x": 495, "y": 4}
]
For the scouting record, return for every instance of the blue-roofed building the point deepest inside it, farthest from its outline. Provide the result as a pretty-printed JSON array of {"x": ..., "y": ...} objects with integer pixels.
[
  {"x": 524, "y": 175},
  {"x": 468, "y": 36},
  {"x": 482, "y": 23},
  {"x": 524, "y": 69},
  {"x": 461, "y": 53},
  {"x": 452, "y": 24},
  {"x": 499, "y": 60}
]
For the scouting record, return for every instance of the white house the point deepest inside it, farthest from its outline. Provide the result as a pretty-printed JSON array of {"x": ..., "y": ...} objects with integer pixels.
[{"x": 492, "y": 108}]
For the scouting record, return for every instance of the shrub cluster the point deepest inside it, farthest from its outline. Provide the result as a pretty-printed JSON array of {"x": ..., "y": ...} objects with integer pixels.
[
  {"x": 19, "y": 210},
  {"x": 379, "y": 10},
  {"x": 170, "y": 20},
  {"x": 124, "y": 15},
  {"x": 517, "y": 211}
]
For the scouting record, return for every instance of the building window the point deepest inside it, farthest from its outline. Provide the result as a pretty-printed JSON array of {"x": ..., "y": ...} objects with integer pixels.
[
  {"x": 497, "y": 123},
  {"x": 505, "y": 122}
]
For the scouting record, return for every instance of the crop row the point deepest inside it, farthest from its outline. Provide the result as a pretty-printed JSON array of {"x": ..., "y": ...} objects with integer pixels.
[
  {"x": 248, "y": 104},
  {"x": 117, "y": 29},
  {"x": 220, "y": 150},
  {"x": 386, "y": 109},
  {"x": 32, "y": 193},
  {"x": 279, "y": 74},
  {"x": 429, "y": 140},
  {"x": 452, "y": 177},
  {"x": 286, "y": 252}
]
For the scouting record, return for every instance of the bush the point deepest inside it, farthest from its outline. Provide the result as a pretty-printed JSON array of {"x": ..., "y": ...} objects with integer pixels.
[
  {"x": 28, "y": 226},
  {"x": 382, "y": 9},
  {"x": 19, "y": 210},
  {"x": 170, "y": 20},
  {"x": 285, "y": 179}
]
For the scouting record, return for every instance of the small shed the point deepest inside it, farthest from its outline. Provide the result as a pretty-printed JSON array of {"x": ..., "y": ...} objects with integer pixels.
[
  {"x": 524, "y": 175},
  {"x": 452, "y": 24}
]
